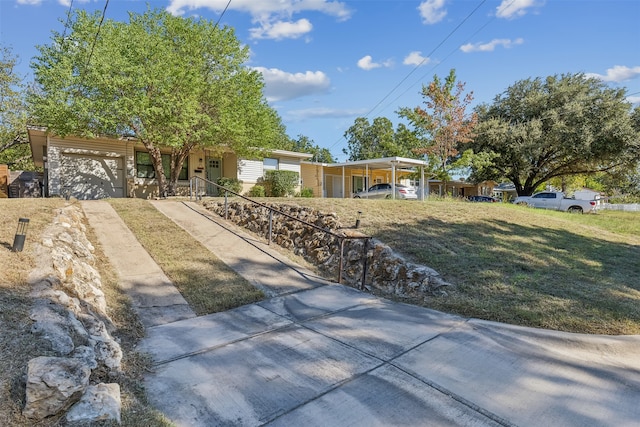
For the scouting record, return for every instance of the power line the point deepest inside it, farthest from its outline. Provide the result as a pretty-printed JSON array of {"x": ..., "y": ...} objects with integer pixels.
[
  {"x": 66, "y": 26},
  {"x": 95, "y": 39},
  {"x": 222, "y": 14},
  {"x": 419, "y": 65}
]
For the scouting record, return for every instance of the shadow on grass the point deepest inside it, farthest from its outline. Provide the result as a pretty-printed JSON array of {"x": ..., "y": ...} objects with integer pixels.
[{"x": 530, "y": 275}]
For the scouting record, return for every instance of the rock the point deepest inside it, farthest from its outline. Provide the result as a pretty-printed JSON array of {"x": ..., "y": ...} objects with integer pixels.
[
  {"x": 50, "y": 322},
  {"x": 70, "y": 312},
  {"x": 54, "y": 384},
  {"x": 99, "y": 402},
  {"x": 386, "y": 270}
]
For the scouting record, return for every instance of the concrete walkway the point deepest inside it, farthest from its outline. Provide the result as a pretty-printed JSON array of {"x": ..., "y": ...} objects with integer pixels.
[{"x": 319, "y": 354}]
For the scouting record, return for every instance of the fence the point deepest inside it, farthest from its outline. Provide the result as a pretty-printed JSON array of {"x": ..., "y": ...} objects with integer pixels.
[
  {"x": 199, "y": 187},
  {"x": 627, "y": 207}
]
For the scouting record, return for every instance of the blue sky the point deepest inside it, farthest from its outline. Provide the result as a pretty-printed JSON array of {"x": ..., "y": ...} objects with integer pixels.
[{"x": 325, "y": 63}]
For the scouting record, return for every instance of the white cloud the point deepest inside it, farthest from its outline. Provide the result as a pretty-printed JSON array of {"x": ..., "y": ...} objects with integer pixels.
[
  {"x": 618, "y": 73},
  {"x": 633, "y": 99},
  {"x": 323, "y": 113},
  {"x": 491, "y": 46},
  {"x": 432, "y": 11},
  {"x": 283, "y": 86},
  {"x": 366, "y": 63},
  {"x": 416, "y": 58},
  {"x": 273, "y": 17},
  {"x": 282, "y": 30},
  {"x": 33, "y": 2},
  {"x": 514, "y": 8}
]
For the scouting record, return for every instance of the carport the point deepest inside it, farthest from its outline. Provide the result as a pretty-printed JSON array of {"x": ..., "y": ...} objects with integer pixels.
[{"x": 365, "y": 169}]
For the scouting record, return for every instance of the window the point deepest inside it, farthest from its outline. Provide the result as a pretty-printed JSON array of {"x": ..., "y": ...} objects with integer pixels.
[
  {"x": 270, "y": 164},
  {"x": 144, "y": 166}
]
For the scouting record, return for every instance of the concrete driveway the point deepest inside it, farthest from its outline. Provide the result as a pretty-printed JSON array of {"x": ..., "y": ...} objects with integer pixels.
[{"x": 321, "y": 354}]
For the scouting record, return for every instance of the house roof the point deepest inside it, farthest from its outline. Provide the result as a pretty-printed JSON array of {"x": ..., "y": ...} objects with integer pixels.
[
  {"x": 286, "y": 153},
  {"x": 381, "y": 163},
  {"x": 37, "y": 140}
]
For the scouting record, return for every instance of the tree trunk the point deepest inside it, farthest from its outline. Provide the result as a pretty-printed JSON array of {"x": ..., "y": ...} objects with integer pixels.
[{"x": 156, "y": 158}]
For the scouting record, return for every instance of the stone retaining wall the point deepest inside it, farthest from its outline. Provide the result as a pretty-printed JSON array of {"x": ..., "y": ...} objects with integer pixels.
[
  {"x": 386, "y": 271},
  {"x": 69, "y": 313}
]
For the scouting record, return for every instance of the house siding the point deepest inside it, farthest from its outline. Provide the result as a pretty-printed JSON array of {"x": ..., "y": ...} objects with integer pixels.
[{"x": 312, "y": 177}]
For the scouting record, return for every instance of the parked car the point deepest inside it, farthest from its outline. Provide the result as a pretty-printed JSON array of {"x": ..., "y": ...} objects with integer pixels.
[
  {"x": 557, "y": 201},
  {"x": 383, "y": 191},
  {"x": 487, "y": 199}
]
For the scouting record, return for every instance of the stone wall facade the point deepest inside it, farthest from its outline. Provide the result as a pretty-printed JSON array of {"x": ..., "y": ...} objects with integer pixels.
[
  {"x": 386, "y": 271},
  {"x": 70, "y": 313}
]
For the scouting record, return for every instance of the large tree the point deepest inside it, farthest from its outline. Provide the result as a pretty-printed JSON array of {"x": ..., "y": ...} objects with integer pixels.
[
  {"x": 442, "y": 125},
  {"x": 562, "y": 125},
  {"x": 170, "y": 82},
  {"x": 306, "y": 145},
  {"x": 378, "y": 139},
  {"x": 14, "y": 145}
]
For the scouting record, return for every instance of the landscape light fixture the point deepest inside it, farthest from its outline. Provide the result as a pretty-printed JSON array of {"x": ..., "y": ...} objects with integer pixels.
[
  {"x": 21, "y": 234},
  {"x": 358, "y": 219}
]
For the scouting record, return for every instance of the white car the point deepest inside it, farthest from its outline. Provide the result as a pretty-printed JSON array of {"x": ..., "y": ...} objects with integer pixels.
[{"x": 383, "y": 191}]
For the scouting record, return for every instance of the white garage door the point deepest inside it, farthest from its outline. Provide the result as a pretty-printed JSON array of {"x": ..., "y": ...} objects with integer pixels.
[{"x": 92, "y": 177}]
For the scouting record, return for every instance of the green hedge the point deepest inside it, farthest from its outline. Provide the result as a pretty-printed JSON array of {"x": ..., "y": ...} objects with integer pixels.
[
  {"x": 232, "y": 184},
  {"x": 280, "y": 183}
]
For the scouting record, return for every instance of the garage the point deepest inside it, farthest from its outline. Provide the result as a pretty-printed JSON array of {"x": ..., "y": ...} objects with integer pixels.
[{"x": 87, "y": 177}]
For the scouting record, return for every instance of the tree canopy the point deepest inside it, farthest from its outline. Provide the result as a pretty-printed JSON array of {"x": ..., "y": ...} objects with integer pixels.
[
  {"x": 14, "y": 145},
  {"x": 378, "y": 139},
  {"x": 442, "y": 126},
  {"x": 306, "y": 145},
  {"x": 557, "y": 126},
  {"x": 171, "y": 82}
]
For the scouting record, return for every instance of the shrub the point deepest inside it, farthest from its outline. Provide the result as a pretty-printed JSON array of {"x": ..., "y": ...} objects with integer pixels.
[
  {"x": 305, "y": 192},
  {"x": 280, "y": 183},
  {"x": 256, "y": 191},
  {"x": 232, "y": 184}
]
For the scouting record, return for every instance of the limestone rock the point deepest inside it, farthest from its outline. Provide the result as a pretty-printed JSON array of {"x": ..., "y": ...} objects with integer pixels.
[
  {"x": 54, "y": 384},
  {"x": 51, "y": 322},
  {"x": 99, "y": 402}
]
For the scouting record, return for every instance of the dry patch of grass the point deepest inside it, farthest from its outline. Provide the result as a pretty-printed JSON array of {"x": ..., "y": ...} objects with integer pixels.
[
  {"x": 15, "y": 303},
  {"x": 207, "y": 284},
  {"x": 577, "y": 273},
  {"x": 15, "y": 325}
]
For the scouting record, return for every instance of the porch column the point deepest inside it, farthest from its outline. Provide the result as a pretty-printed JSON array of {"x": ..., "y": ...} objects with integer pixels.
[
  {"x": 422, "y": 187},
  {"x": 393, "y": 180},
  {"x": 344, "y": 188}
]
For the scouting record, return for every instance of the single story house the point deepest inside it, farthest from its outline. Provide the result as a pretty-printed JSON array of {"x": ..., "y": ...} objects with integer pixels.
[
  {"x": 343, "y": 180},
  {"x": 109, "y": 167}
]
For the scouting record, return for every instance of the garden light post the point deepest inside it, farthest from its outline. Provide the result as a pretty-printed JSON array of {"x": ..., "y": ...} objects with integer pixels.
[
  {"x": 358, "y": 219},
  {"x": 21, "y": 234}
]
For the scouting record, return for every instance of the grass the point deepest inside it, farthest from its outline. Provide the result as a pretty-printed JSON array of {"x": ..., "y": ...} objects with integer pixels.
[
  {"x": 206, "y": 283},
  {"x": 15, "y": 325},
  {"x": 577, "y": 273}
]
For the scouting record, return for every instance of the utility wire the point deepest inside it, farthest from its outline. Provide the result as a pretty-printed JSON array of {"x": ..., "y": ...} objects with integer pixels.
[
  {"x": 95, "y": 39},
  {"x": 419, "y": 65},
  {"x": 66, "y": 26},
  {"x": 222, "y": 14}
]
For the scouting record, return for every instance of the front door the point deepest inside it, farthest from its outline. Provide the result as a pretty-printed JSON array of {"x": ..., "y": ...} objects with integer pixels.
[{"x": 214, "y": 171}]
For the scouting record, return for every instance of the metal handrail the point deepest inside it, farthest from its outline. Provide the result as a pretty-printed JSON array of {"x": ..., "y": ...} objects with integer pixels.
[{"x": 193, "y": 193}]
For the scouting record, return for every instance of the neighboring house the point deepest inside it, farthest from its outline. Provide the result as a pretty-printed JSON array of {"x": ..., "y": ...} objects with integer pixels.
[
  {"x": 109, "y": 167},
  {"x": 343, "y": 180},
  {"x": 505, "y": 191}
]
